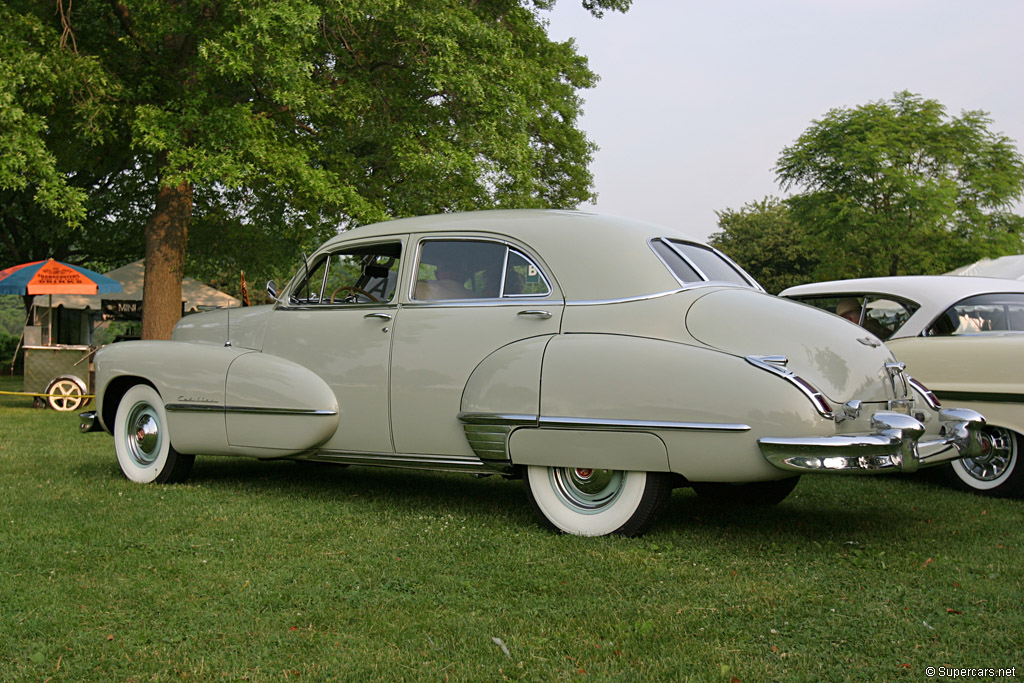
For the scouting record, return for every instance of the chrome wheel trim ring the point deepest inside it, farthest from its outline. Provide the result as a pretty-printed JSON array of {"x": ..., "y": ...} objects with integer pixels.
[
  {"x": 1000, "y": 449},
  {"x": 142, "y": 435},
  {"x": 585, "y": 490}
]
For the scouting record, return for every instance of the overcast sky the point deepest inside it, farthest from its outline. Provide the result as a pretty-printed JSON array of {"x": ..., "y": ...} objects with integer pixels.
[{"x": 697, "y": 99}]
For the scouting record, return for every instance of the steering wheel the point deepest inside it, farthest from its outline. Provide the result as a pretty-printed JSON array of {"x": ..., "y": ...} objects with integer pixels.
[{"x": 354, "y": 291}]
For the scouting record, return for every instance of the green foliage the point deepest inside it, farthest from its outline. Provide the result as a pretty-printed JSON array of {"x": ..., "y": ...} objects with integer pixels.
[
  {"x": 287, "y": 120},
  {"x": 12, "y": 315},
  {"x": 899, "y": 187},
  {"x": 764, "y": 239},
  {"x": 271, "y": 571}
]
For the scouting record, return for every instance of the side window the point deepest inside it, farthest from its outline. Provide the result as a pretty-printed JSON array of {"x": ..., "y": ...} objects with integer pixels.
[
  {"x": 691, "y": 262},
  {"x": 523, "y": 277},
  {"x": 310, "y": 288},
  {"x": 884, "y": 316},
  {"x": 978, "y": 314},
  {"x": 878, "y": 315},
  {"x": 359, "y": 275},
  {"x": 472, "y": 269}
]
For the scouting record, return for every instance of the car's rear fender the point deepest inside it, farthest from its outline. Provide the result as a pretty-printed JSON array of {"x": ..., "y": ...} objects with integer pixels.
[{"x": 708, "y": 408}]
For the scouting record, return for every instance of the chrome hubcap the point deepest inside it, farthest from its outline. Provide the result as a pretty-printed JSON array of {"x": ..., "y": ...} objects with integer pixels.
[
  {"x": 998, "y": 448},
  {"x": 143, "y": 435},
  {"x": 587, "y": 490}
]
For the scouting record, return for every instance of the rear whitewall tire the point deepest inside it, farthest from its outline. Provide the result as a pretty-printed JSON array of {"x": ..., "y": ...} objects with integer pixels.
[
  {"x": 588, "y": 502},
  {"x": 142, "y": 440}
]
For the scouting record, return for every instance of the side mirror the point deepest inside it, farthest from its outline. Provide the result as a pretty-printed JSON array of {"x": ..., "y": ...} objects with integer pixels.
[{"x": 272, "y": 289}]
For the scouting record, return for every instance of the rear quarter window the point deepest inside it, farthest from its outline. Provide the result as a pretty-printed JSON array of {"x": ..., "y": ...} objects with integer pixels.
[{"x": 692, "y": 263}]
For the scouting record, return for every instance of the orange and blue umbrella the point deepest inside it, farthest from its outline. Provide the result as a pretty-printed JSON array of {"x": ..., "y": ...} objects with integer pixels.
[{"x": 54, "y": 277}]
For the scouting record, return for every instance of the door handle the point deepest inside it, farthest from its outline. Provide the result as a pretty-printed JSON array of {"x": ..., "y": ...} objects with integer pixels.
[
  {"x": 536, "y": 314},
  {"x": 378, "y": 316}
]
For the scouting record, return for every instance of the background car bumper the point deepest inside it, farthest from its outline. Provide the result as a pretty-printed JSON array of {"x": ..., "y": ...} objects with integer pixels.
[
  {"x": 895, "y": 446},
  {"x": 89, "y": 422}
]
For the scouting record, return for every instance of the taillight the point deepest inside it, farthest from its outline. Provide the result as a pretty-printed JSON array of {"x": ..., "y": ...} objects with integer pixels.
[
  {"x": 817, "y": 398},
  {"x": 927, "y": 394},
  {"x": 776, "y": 366}
]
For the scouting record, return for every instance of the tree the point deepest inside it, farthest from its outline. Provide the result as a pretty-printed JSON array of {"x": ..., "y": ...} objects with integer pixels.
[
  {"x": 320, "y": 113},
  {"x": 899, "y": 187},
  {"x": 764, "y": 239}
]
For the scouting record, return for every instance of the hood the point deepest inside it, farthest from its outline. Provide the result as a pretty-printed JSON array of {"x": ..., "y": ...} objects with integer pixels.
[
  {"x": 244, "y": 327},
  {"x": 843, "y": 360}
]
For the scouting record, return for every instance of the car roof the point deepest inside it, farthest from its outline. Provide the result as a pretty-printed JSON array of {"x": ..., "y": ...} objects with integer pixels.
[
  {"x": 932, "y": 291},
  {"x": 592, "y": 256}
]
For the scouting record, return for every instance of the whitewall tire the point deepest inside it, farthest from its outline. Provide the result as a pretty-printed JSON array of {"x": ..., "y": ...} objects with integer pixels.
[
  {"x": 143, "y": 441},
  {"x": 589, "y": 502},
  {"x": 997, "y": 472}
]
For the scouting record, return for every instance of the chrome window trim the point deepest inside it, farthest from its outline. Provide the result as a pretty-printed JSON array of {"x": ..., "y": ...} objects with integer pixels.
[
  {"x": 509, "y": 247},
  {"x": 284, "y": 302},
  {"x": 341, "y": 306},
  {"x": 668, "y": 242},
  {"x": 490, "y": 303},
  {"x": 678, "y": 252},
  {"x": 530, "y": 261}
]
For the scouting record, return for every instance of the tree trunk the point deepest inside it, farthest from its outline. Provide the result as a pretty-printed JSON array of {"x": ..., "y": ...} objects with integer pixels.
[{"x": 166, "y": 235}]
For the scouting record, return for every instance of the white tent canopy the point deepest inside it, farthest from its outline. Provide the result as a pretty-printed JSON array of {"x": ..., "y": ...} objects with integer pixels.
[
  {"x": 195, "y": 295},
  {"x": 1007, "y": 267}
]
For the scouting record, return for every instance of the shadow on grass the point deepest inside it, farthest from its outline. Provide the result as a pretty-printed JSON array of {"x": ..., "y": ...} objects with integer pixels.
[
  {"x": 817, "y": 511},
  {"x": 399, "y": 490}
]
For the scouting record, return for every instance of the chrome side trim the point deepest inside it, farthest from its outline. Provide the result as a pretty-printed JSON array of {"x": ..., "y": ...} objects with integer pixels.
[
  {"x": 201, "y": 408},
  {"x": 629, "y": 299},
  {"x": 637, "y": 425},
  {"x": 894, "y": 446},
  {"x": 193, "y": 408},
  {"x": 488, "y": 433}
]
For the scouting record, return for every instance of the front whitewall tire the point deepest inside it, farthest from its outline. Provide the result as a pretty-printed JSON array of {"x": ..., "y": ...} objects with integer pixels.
[{"x": 143, "y": 442}]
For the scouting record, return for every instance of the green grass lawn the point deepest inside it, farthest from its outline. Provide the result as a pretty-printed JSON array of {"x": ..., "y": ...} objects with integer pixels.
[{"x": 275, "y": 570}]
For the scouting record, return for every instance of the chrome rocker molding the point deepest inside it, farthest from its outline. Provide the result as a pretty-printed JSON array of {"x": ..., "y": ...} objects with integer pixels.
[
  {"x": 446, "y": 463},
  {"x": 894, "y": 446}
]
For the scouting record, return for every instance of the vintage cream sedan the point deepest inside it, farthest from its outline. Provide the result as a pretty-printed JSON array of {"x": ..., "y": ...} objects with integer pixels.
[
  {"x": 964, "y": 337},
  {"x": 602, "y": 360}
]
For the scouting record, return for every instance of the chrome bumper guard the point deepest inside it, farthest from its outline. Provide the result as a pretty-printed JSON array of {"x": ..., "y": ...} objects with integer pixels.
[
  {"x": 88, "y": 422},
  {"x": 894, "y": 446}
]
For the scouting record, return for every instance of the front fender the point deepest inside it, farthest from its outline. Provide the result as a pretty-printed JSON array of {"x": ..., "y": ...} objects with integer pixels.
[{"x": 221, "y": 400}]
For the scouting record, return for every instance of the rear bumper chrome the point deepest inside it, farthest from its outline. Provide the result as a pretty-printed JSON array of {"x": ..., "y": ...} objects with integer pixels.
[{"x": 894, "y": 446}]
